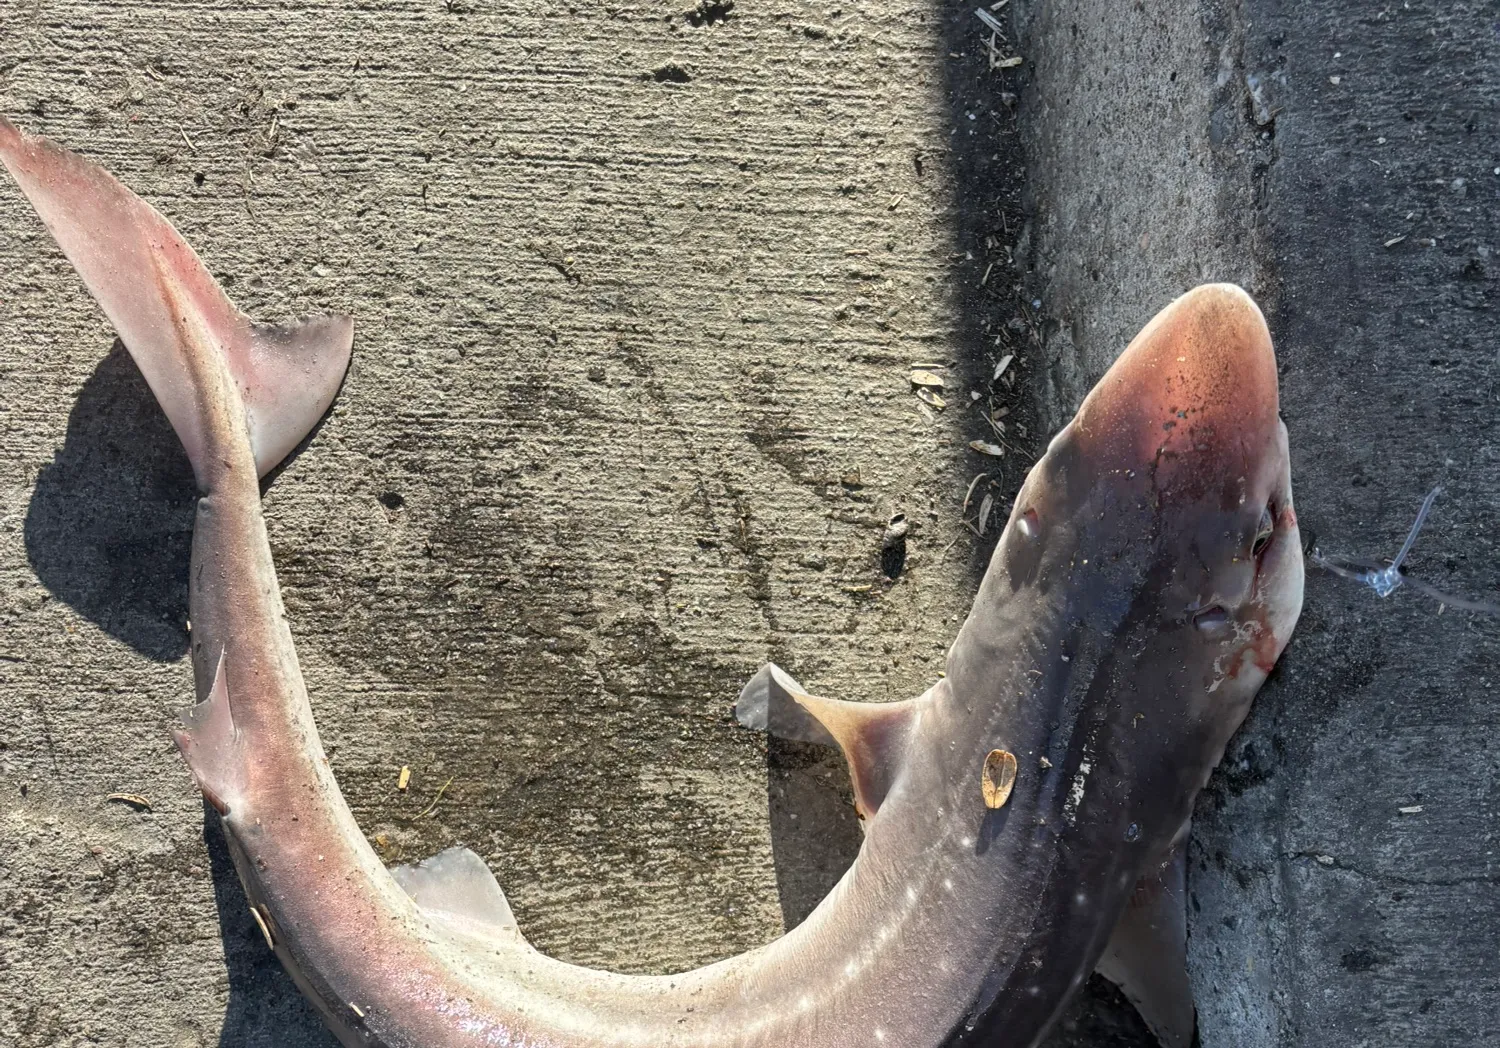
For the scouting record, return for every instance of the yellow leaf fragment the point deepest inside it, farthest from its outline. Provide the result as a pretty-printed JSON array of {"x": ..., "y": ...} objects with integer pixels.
[
  {"x": 998, "y": 778},
  {"x": 265, "y": 928}
]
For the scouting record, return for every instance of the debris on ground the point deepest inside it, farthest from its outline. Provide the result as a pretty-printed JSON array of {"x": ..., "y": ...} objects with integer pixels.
[
  {"x": 135, "y": 800},
  {"x": 1386, "y": 580}
]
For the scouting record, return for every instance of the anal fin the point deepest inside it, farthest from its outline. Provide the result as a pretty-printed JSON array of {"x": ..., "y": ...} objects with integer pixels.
[
  {"x": 872, "y": 735},
  {"x": 1147, "y": 954},
  {"x": 210, "y": 743},
  {"x": 456, "y": 888}
]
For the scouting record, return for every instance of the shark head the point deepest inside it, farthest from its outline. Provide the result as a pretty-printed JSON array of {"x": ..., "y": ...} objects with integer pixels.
[{"x": 1160, "y": 521}]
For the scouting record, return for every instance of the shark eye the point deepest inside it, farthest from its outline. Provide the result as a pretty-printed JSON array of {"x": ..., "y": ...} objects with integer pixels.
[
  {"x": 1263, "y": 532},
  {"x": 1211, "y": 620},
  {"x": 1028, "y": 524}
]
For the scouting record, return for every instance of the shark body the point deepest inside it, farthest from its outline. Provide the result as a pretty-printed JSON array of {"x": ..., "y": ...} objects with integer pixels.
[{"x": 1147, "y": 580}]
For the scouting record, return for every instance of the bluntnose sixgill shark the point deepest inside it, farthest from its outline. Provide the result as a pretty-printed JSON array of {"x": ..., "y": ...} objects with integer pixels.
[{"x": 1023, "y": 817}]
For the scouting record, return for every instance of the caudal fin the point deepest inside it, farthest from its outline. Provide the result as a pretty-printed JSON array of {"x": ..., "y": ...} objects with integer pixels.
[{"x": 190, "y": 342}]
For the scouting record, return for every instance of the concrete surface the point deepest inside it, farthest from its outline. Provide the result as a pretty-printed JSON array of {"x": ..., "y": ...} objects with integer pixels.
[{"x": 637, "y": 288}]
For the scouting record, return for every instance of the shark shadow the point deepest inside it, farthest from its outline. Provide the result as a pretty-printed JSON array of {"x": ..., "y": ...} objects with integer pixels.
[
  {"x": 109, "y": 526},
  {"x": 815, "y": 833}
]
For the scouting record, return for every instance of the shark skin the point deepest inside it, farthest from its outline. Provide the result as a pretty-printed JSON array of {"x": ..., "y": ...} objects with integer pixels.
[{"x": 1147, "y": 580}]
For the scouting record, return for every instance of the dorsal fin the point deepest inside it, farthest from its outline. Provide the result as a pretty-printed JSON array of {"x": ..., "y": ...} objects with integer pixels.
[
  {"x": 177, "y": 323},
  {"x": 872, "y": 735},
  {"x": 457, "y": 888},
  {"x": 210, "y": 743},
  {"x": 1147, "y": 955}
]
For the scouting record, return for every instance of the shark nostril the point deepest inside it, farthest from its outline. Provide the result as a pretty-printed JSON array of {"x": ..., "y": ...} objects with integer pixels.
[{"x": 1212, "y": 619}]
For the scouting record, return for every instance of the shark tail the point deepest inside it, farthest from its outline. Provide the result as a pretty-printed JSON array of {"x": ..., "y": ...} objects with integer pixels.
[{"x": 218, "y": 377}]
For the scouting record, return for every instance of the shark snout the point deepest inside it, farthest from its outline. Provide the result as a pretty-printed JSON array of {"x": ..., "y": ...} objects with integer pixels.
[{"x": 1193, "y": 400}]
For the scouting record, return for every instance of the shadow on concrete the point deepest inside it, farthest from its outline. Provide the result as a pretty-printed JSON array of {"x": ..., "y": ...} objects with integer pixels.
[
  {"x": 815, "y": 833},
  {"x": 265, "y": 1009},
  {"x": 109, "y": 527}
]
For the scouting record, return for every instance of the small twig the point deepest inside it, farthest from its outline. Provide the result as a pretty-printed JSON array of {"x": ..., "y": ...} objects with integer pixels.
[
  {"x": 435, "y": 800},
  {"x": 990, "y": 21}
]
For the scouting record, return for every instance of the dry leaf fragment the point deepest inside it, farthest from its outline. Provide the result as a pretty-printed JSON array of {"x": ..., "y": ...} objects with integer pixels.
[
  {"x": 404, "y": 779},
  {"x": 970, "y": 493},
  {"x": 990, "y": 21},
  {"x": 1410, "y": 809},
  {"x": 998, "y": 778},
  {"x": 135, "y": 800},
  {"x": 985, "y": 448},
  {"x": 927, "y": 396},
  {"x": 921, "y": 377},
  {"x": 1000, "y": 367},
  {"x": 984, "y": 511},
  {"x": 265, "y": 929}
]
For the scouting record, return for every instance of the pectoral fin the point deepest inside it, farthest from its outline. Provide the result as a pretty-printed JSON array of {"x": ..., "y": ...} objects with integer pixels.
[
  {"x": 1147, "y": 955},
  {"x": 456, "y": 888},
  {"x": 872, "y": 735}
]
